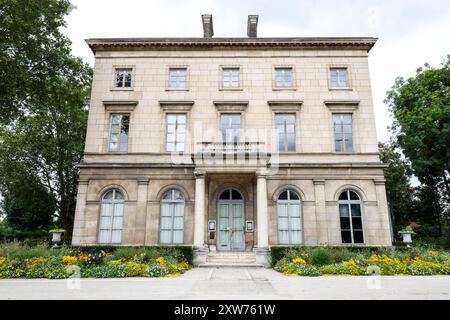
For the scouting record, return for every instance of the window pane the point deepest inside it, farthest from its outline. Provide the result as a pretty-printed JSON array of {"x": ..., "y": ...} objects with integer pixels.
[
  {"x": 178, "y": 77},
  {"x": 345, "y": 223},
  {"x": 225, "y": 195},
  {"x": 283, "y": 77},
  {"x": 353, "y": 195},
  {"x": 346, "y": 237},
  {"x": 167, "y": 195},
  {"x": 343, "y": 210},
  {"x": 109, "y": 195},
  {"x": 356, "y": 223},
  {"x": 291, "y": 141},
  {"x": 118, "y": 196},
  {"x": 293, "y": 195},
  {"x": 344, "y": 195},
  {"x": 358, "y": 237},
  {"x": 356, "y": 210},
  {"x": 178, "y": 195},
  {"x": 294, "y": 210},
  {"x": 178, "y": 236},
  {"x": 296, "y": 237},
  {"x": 119, "y": 79},
  {"x": 282, "y": 210},
  {"x": 283, "y": 196},
  {"x": 181, "y": 118},
  {"x": 235, "y": 195}
]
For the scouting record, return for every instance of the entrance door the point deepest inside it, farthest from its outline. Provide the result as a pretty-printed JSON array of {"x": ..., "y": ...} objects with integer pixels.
[{"x": 231, "y": 221}]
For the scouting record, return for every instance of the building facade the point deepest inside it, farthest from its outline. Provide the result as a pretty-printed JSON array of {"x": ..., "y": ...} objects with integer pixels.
[{"x": 231, "y": 144}]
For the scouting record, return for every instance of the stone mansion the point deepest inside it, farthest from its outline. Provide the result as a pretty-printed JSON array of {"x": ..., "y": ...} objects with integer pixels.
[{"x": 231, "y": 144}]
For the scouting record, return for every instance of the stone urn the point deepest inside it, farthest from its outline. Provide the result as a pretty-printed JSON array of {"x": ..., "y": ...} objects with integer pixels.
[
  {"x": 407, "y": 235},
  {"x": 56, "y": 236}
]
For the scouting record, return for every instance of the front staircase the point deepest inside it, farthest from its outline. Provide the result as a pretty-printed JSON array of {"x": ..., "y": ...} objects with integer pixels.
[{"x": 230, "y": 259}]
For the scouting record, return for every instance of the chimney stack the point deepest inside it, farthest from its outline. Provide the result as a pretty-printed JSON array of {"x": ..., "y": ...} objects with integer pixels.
[
  {"x": 208, "y": 30},
  {"x": 252, "y": 25}
]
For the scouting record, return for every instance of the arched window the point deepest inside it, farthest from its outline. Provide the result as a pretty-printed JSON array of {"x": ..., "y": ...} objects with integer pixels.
[
  {"x": 172, "y": 217},
  {"x": 289, "y": 218},
  {"x": 111, "y": 217},
  {"x": 351, "y": 218}
]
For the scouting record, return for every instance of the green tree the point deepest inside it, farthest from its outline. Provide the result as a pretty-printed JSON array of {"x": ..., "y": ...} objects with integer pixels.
[
  {"x": 398, "y": 188},
  {"x": 46, "y": 115},
  {"x": 421, "y": 109},
  {"x": 28, "y": 206},
  {"x": 32, "y": 48}
]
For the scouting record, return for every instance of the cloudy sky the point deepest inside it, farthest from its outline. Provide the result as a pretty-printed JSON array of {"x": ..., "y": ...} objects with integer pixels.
[{"x": 410, "y": 32}]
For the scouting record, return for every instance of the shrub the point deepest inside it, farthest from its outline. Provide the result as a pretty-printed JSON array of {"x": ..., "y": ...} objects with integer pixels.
[
  {"x": 29, "y": 253},
  {"x": 320, "y": 257},
  {"x": 126, "y": 253}
]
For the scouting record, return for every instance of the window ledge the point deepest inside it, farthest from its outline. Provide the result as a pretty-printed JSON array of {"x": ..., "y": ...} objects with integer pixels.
[
  {"x": 284, "y": 89},
  {"x": 231, "y": 89},
  {"x": 177, "y": 89},
  {"x": 122, "y": 89},
  {"x": 341, "y": 89}
]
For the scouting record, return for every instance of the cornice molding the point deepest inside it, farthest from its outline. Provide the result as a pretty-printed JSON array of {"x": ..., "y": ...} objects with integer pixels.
[
  {"x": 285, "y": 105},
  {"x": 117, "y": 44},
  {"x": 342, "y": 105},
  {"x": 231, "y": 105},
  {"x": 120, "y": 105},
  {"x": 176, "y": 105}
]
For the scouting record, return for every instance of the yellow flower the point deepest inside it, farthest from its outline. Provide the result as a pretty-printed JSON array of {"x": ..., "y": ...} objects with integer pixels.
[
  {"x": 298, "y": 261},
  {"x": 350, "y": 263},
  {"x": 432, "y": 252},
  {"x": 83, "y": 258},
  {"x": 35, "y": 261},
  {"x": 69, "y": 259},
  {"x": 160, "y": 260},
  {"x": 373, "y": 259},
  {"x": 2, "y": 260}
]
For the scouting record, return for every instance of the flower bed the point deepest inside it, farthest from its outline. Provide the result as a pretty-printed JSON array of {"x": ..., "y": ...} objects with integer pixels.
[
  {"x": 342, "y": 261},
  {"x": 66, "y": 262}
]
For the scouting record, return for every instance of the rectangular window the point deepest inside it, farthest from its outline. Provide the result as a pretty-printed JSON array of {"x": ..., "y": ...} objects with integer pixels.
[
  {"x": 118, "y": 138},
  {"x": 178, "y": 78},
  {"x": 230, "y": 125},
  {"x": 338, "y": 78},
  {"x": 231, "y": 78},
  {"x": 343, "y": 132},
  {"x": 176, "y": 132},
  {"x": 283, "y": 78},
  {"x": 123, "y": 78},
  {"x": 285, "y": 125}
]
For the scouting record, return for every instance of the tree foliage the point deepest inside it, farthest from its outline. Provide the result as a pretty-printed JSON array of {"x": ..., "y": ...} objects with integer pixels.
[
  {"x": 398, "y": 188},
  {"x": 421, "y": 128},
  {"x": 43, "y": 103},
  {"x": 421, "y": 107}
]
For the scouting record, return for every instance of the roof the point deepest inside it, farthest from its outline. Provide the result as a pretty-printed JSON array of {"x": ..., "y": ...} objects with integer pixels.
[{"x": 113, "y": 44}]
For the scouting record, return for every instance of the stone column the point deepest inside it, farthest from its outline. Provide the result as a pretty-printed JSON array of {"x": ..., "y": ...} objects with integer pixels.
[
  {"x": 385, "y": 231},
  {"x": 141, "y": 211},
  {"x": 261, "y": 207},
  {"x": 321, "y": 213},
  {"x": 79, "y": 226},
  {"x": 200, "y": 250},
  {"x": 262, "y": 250}
]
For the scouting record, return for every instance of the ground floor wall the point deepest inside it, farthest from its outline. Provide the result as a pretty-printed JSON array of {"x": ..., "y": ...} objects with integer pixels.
[{"x": 318, "y": 188}]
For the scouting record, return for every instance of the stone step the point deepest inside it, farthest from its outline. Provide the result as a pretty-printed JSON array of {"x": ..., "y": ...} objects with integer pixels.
[
  {"x": 230, "y": 265},
  {"x": 230, "y": 259}
]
